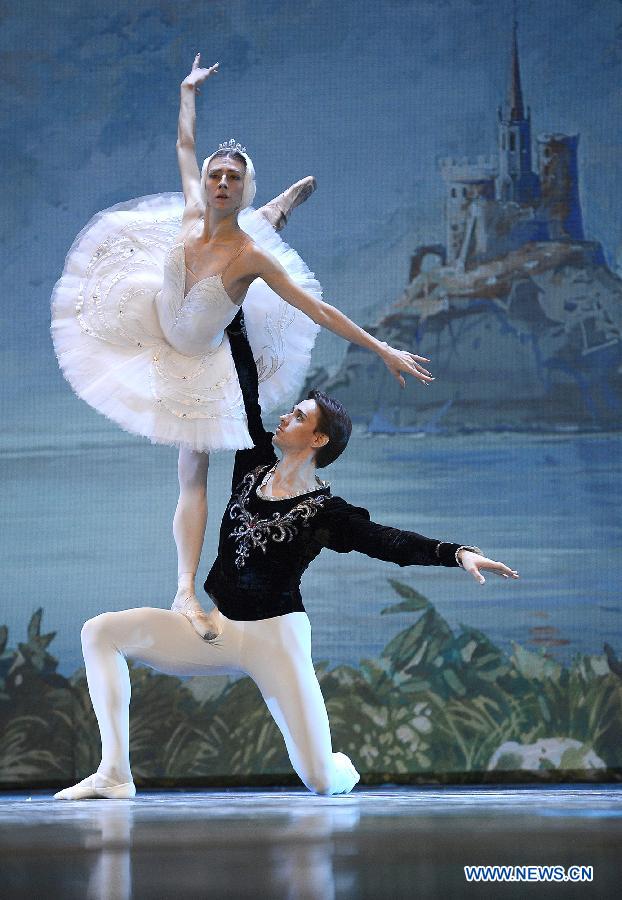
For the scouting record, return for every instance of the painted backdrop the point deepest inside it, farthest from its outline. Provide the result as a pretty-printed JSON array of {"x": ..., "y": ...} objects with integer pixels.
[{"x": 469, "y": 207}]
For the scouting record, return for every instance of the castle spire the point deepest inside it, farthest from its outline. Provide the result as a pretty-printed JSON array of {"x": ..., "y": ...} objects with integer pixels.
[
  {"x": 515, "y": 181},
  {"x": 514, "y": 99}
]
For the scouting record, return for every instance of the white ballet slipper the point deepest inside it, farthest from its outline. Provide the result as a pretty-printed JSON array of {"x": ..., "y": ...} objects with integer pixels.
[
  {"x": 206, "y": 625},
  {"x": 348, "y": 776},
  {"x": 96, "y": 787},
  {"x": 277, "y": 211}
]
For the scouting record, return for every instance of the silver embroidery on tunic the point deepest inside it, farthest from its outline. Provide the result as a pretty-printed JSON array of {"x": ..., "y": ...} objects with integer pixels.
[{"x": 255, "y": 531}]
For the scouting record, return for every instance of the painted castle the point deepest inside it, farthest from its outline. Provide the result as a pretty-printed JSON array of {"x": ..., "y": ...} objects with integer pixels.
[
  {"x": 520, "y": 313},
  {"x": 499, "y": 203}
]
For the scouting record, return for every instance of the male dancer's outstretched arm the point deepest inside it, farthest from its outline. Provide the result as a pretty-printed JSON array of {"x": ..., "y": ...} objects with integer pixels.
[
  {"x": 348, "y": 528},
  {"x": 271, "y": 544}
]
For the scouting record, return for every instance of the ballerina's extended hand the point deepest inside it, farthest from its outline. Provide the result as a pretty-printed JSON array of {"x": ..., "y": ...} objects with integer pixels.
[
  {"x": 198, "y": 75},
  {"x": 398, "y": 361}
]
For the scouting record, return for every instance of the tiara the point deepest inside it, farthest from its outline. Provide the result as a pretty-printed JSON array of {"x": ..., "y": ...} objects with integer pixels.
[{"x": 232, "y": 146}]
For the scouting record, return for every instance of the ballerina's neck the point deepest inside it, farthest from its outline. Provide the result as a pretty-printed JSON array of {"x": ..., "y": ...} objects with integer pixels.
[
  {"x": 216, "y": 225},
  {"x": 203, "y": 238}
]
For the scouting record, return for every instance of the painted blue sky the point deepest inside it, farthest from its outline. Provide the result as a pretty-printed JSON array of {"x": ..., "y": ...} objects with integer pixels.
[{"x": 365, "y": 95}]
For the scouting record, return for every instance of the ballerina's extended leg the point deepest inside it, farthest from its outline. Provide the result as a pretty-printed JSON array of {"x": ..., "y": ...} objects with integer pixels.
[{"x": 278, "y": 211}]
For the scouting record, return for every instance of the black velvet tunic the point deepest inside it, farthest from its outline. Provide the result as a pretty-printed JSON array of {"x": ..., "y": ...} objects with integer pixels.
[{"x": 265, "y": 545}]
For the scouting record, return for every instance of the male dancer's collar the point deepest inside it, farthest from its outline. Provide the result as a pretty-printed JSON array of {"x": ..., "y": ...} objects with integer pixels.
[{"x": 322, "y": 486}]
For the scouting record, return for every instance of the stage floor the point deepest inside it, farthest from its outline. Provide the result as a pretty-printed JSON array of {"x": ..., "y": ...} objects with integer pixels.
[{"x": 389, "y": 842}]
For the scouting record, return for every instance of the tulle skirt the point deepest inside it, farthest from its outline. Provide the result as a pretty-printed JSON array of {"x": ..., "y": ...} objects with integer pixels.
[{"x": 111, "y": 349}]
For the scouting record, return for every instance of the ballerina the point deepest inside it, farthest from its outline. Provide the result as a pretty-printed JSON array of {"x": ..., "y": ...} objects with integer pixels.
[{"x": 141, "y": 311}]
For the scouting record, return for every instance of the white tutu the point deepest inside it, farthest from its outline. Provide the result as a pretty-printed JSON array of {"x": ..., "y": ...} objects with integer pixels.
[{"x": 112, "y": 349}]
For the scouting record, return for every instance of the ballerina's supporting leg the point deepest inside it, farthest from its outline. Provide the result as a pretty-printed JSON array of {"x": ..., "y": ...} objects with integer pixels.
[
  {"x": 189, "y": 526},
  {"x": 191, "y": 514}
]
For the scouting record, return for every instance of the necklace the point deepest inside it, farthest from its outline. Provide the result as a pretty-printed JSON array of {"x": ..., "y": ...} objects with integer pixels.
[{"x": 264, "y": 481}]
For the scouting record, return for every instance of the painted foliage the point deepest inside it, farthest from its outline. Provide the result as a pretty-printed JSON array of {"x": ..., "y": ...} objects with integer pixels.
[{"x": 436, "y": 704}]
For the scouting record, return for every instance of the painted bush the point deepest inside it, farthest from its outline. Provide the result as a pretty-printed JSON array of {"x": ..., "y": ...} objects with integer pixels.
[{"x": 436, "y": 704}]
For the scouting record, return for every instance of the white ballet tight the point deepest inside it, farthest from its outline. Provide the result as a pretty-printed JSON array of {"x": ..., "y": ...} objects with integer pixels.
[
  {"x": 191, "y": 514},
  {"x": 275, "y": 652}
]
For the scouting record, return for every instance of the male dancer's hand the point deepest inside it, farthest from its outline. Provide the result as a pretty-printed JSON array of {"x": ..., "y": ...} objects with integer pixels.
[{"x": 473, "y": 562}]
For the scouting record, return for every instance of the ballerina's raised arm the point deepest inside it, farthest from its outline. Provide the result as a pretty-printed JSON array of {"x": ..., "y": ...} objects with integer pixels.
[{"x": 186, "y": 144}]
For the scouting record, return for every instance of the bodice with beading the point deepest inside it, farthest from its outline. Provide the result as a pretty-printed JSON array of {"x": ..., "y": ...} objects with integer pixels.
[{"x": 192, "y": 323}]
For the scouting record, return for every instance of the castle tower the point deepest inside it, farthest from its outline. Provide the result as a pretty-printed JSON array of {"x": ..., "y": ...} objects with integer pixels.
[
  {"x": 515, "y": 181},
  {"x": 560, "y": 204},
  {"x": 466, "y": 182}
]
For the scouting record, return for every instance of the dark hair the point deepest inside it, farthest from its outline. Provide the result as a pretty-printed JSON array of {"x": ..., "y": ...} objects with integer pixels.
[
  {"x": 335, "y": 423},
  {"x": 230, "y": 154}
]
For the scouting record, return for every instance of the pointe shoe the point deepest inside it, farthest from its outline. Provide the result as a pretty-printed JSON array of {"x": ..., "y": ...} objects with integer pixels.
[
  {"x": 278, "y": 211},
  {"x": 205, "y": 624},
  {"x": 96, "y": 787}
]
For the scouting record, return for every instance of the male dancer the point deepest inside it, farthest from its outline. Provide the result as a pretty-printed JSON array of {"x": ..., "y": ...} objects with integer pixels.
[{"x": 279, "y": 517}]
